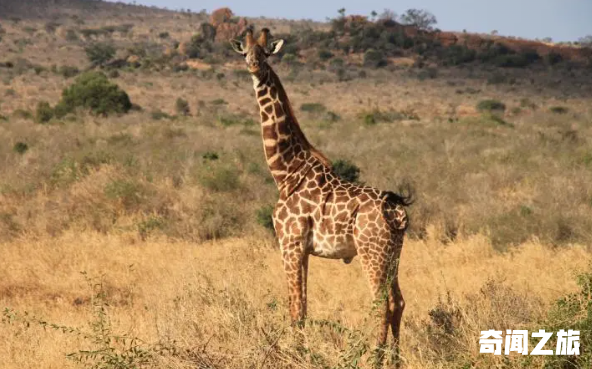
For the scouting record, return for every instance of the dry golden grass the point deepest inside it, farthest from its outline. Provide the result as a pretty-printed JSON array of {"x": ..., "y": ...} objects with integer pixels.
[
  {"x": 131, "y": 201},
  {"x": 224, "y": 300}
]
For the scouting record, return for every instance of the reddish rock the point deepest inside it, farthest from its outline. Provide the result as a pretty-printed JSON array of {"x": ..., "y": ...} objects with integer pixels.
[
  {"x": 220, "y": 16},
  {"x": 446, "y": 38},
  {"x": 226, "y": 31}
]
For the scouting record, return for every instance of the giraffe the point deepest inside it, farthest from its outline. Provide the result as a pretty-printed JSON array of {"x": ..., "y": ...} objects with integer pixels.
[{"x": 318, "y": 213}]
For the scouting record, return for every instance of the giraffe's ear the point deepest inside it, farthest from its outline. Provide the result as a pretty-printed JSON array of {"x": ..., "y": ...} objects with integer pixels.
[
  {"x": 276, "y": 46},
  {"x": 237, "y": 46}
]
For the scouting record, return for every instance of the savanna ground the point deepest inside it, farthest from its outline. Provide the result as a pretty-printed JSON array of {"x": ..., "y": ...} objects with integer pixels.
[{"x": 143, "y": 235}]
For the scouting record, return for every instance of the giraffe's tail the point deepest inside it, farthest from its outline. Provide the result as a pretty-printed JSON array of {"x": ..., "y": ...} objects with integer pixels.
[
  {"x": 404, "y": 197},
  {"x": 393, "y": 207}
]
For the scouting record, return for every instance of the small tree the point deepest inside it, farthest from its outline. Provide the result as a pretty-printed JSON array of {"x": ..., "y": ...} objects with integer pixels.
[
  {"x": 99, "y": 53},
  {"x": 374, "y": 59},
  {"x": 182, "y": 107},
  {"x": 586, "y": 41},
  {"x": 422, "y": 19},
  {"x": 44, "y": 112},
  {"x": 387, "y": 15}
]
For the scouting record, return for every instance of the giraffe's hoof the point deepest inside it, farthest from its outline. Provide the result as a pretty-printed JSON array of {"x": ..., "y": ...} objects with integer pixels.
[{"x": 347, "y": 260}]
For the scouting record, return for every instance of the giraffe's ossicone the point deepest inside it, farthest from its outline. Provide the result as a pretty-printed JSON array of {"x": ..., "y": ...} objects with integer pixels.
[{"x": 319, "y": 213}]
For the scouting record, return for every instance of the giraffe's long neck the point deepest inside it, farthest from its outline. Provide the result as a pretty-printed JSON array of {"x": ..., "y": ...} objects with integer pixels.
[{"x": 287, "y": 150}]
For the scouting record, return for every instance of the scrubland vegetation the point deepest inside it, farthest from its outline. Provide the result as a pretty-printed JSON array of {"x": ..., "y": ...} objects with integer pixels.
[{"x": 130, "y": 151}]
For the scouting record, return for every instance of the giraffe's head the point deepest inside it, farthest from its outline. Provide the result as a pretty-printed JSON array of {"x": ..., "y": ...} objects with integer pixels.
[{"x": 257, "y": 52}]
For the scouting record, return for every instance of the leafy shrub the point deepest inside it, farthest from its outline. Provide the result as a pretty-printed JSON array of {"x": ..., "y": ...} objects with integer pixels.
[
  {"x": 374, "y": 59},
  {"x": 220, "y": 178},
  {"x": 50, "y": 27},
  {"x": 516, "y": 60},
  {"x": 228, "y": 120},
  {"x": 20, "y": 147},
  {"x": 553, "y": 58},
  {"x": 573, "y": 311},
  {"x": 527, "y": 103},
  {"x": 346, "y": 170},
  {"x": 127, "y": 192},
  {"x": 559, "y": 109},
  {"x": 23, "y": 114},
  {"x": 44, "y": 112},
  {"x": 427, "y": 73},
  {"x": 182, "y": 107},
  {"x": 290, "y": 59},
  {"x": 313, "y": 107},
  {"x": 491, "y": 105},
  {"x": 497, "y": 79},
  {"x": 457, "y": 55},
  {"x": 68, "y": 71},
  {"x": 99, "y": 53},
  {"x": 210, "y": 156},
  {"x": 378, "y": 116},
  {"x": 324, "y": 54},
  {"x": 208, "y": 32},
  {"x": 158, "y": 114},
  {"x": 264, "y": 217},
  {"x": 71, "y": 35},
  {"x": 218, "y": 102},
  {"x": 93, "y": 91}
]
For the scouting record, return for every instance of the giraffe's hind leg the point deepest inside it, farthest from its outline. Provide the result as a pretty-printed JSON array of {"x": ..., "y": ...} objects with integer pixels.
[
  {"x": 379, "y": 257},
  {"x": 396, "y": 307}
]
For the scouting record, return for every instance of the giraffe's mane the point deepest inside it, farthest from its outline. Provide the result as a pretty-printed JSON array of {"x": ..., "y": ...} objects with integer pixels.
[{"x": 296, "y": 126}]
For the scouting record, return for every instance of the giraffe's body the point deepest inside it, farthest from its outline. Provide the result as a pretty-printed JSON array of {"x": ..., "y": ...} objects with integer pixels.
[{"x": 317, "y": 212}]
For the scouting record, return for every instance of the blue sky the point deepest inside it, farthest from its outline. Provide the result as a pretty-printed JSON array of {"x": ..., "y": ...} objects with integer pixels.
[{"x": 562, "y": 20}]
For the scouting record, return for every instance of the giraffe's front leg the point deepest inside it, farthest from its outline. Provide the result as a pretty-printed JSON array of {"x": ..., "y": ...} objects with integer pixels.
[{"x": 295, "y": 265}]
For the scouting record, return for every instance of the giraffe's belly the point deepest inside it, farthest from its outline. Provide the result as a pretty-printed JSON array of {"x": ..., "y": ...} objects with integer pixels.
[{"x": 333, "y": 246}]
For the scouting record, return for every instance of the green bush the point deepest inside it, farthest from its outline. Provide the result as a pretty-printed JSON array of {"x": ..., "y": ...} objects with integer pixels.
[
  {"x": 324, "y": 54},
  {"x": 553, "y": 58},
  {"x": 516, "y": 60},
  {"x": 210, "y": 156},
  {"x": 378, "y": 116},
  {"x": 264, "y": 217},
  {"x": 128, "y": 193},
  {"x": 218, "y": 102},
  {"x": 220, "y": 178},
  {"x": 68, "y": 71},
  {"x": 93, "y": 91},
  {"x": 20, "y": 147},
  {"x": 23, "y": 114},
  {"x": 158, "y": 114},
  {"x": 182, "y": 107},
  {"x": 558, "y": 109},
  {"x": 313, "y": 107},
  {"x": 71, "y": 35},
  {"x": 44, "y": 112},
  {"x": 346, "y": 170},
  {"x": 374, "y": 59},
  {"x": 491, "y": 105},
  {"x": 99, "y": 53},
  {"x": 290, "y": 59},
  {"x": 457, "y": 54},
  {"x": 573, "y": 311}
]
